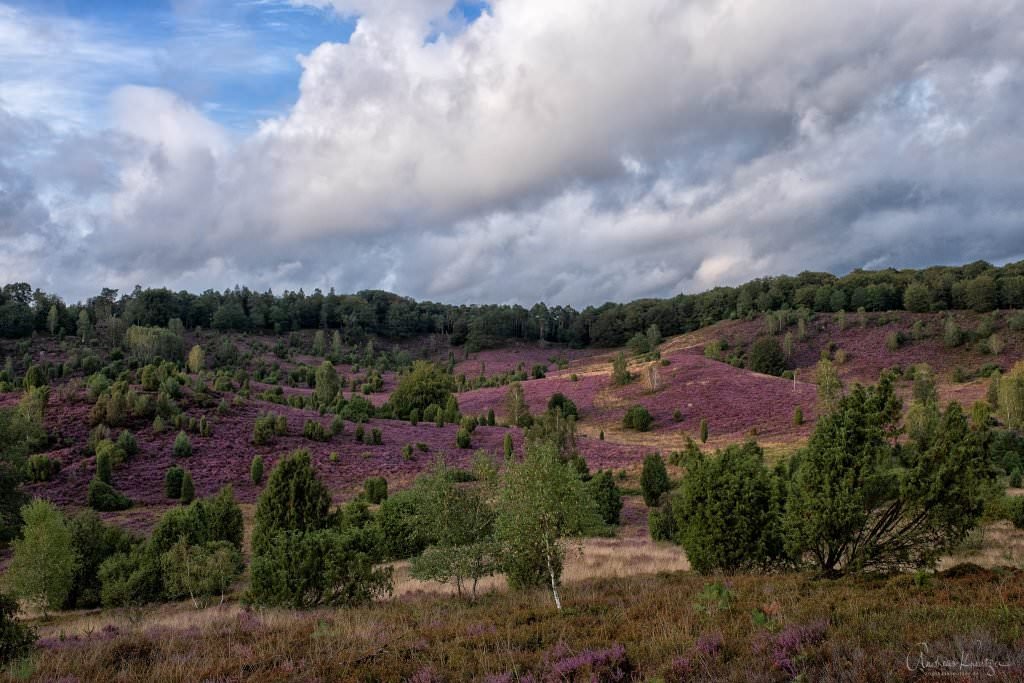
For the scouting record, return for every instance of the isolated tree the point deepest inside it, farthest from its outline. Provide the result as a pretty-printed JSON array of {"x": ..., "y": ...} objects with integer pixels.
[
  {"x": 188, "y": 489},
  {"x": 196, "y": 359},
  {"x": 620, "y": 370},
  {"x": 294, "y": 499},
  {"x": 319, "y": 343},
  {"x": 607, "y": 496},
  {"x": 516, "y": 411},
  {"x": 830, "y": 387},
  {"x": 703, "y": 430},
  {"x": 654, "y": 479},
  {"x": 543, "y": 503},
  {"x": 857, "y": 502},
  {"x": 507, "y": 446},
  {"x": 560, "y": 401},
  {"x": 461, "y": 520},
  {"x": 172, "y": 482},
  {"x": 637, "y": 417},
  {"x": 42, "y": 569},
  {"x": 256, "y": 470},
  {"x": 424, "y": 385},
  {"x": 327, "y": 384},
  {"x": 727, "y": 512},
  {"x": 52, "y": 320},
  {"x": 766, "y": 356}
]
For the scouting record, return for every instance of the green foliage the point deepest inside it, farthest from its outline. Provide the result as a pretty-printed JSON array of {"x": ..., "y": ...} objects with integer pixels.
[
  {"x": 330, "y": 567},
  {"x": 542, "y": 503},
  {"x": 188, "y": 489},
  {"x": 376, "y": 438},
  {"x": 952, "y": 335},
  {"x": 424, "y": 385},
  {"x": 327, "y": 384},
  {"x": 43, "y": 565},
  {"x": 147, "y": 344},
  {"x": 400, "y": 521},
  {"x": 200, "y": 571},
  {"x": 173, "y": 479},
  {"x": 830, "y": 387},
  {"x": 661, "y": 522},
  {"x": 294, "y": 500},
  {"x": 607, "y": 496},
  {"x": 459, "y": 521},
  {"x": 637, "y": 417},
  {"x": 182, "y": 446},
  {"x": 16, "y": 639},
  {"x": 256, "y": 470},
  {"x": 703, "y": 430},
  {"x": 35, "y": 376},
  {"x": 315, "y": 431},
  {"x": 105, "y": 498},
  {"x": 462, "y": 438},
  {"x": 620, "y": 371},
  {"x": 559, "y": 401},
  {"x": 196, "y": 359},
  {"x": 506, "y": 446},
  {"x": 376, "y": 489},
  {"x": 127, "y": 443},
  {"x": 917, "y": 298},
  {"x": 856, "y": 502},
  {"x": 798, "y": 416},
  {"x": 766, "y": 356},
  {"x": 94, "y": 542},
  {"x": 727, "y": 512},
  {"x": 654, "y": 479},
  {"x": 40, "y": 468}
]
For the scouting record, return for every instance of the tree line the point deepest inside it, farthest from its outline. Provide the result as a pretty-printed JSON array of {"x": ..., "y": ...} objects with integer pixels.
[{"x": 977, "y": 286}]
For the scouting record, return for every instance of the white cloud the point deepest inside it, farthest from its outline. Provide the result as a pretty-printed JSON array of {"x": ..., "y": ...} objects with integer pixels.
[{"x": 580, "y": 151}]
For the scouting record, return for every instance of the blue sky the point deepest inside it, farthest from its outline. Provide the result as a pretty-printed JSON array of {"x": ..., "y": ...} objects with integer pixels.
[{"x": 235, "y": 60}]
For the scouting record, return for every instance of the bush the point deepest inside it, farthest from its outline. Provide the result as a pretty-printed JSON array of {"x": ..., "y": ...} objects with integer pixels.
[
  {"x": 256, "y": 470},
  {"x": 620, "y": 370},
  {"x": 337, "y": 425},
  {"x": 1018, "y": 513},
  {"x": 43, "y": 565},
  {"x": 173, "y": 479},
  {"x": 559, "y": 401},
  {"x": 893, "y": 341},
  {"x": 104, "y": 462},
  {"x": 798, "y": 416},
  {"x": 661, "y": 522},
  {"x": 703, "y": 430},
  {"x": 41, "y": 468},
  {"x": 637, "y": 418},
  {"x": 16, "y": 639},
  {"x": 188, "y": 489},
  {"x": 376, "y": 489},
  {"x": 766, "y": 356},
  {"x": 182, "y": 446},
  {"x": 94, "y": 542},
  {"x": 314, "y": 431},
  {"x": 325, "y": 567},
  {"x": 294, "y": 500},
  {"x": 127, "y": 443},
  {"x": 105, "y": 498},
  {"x": 462, "y": 438},
  {"x": 677, "y": 415},
  {"x": 607, "y": 496},
  {"x": 376, "y": 438},
  {"x": 539, "y": 371},
  {"x": 1015, "y": 478},
  {"x": 423, "y": 389},
  {"x": 728, "y": 512},
  {"x": 360, "y": 434},
  {"x": 654, "y": 479}
]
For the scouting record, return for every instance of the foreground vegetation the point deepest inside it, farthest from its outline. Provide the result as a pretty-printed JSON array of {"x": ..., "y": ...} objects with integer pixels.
[{"x": 678, "y": 627}]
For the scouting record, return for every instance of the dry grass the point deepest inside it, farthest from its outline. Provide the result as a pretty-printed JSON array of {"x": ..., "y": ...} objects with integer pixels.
[{"x": 998, "y": 544}]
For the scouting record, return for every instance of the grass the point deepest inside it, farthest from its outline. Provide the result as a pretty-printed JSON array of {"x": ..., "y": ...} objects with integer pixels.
[{"x": 774, "y": 628}]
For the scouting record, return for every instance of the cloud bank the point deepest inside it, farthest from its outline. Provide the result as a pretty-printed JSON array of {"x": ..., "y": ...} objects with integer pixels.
[{"x": 574, "y": 152}]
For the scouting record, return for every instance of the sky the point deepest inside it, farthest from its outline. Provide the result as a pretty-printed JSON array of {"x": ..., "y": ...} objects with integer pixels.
[{"x": 573, "y": 152}]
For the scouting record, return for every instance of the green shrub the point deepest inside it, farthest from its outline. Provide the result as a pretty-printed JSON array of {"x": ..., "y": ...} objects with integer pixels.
[
  {"x": 256, "y": 470},
  {"x": 654, "y": 479},
  {"x": 606, "y": 495},
  {"x": 767, "y": 357},
  {"x": 41, "y": 468},
  {"x": 376, "y": 438},
  {"x": 105, "y": 498},
  {"x": 728, "y": 512},
  {"x": 661, "y": 522},
  {"x": 188, "y": 489},
  {"x": 638, "y": 418},
  {"x": 559, "y": 401},
  {"x": 376, "y": 489},
  {"x": 127, "y": 443},
  {"x": 315, "y": 431},
  {"x": 182, "y": 446},
  {"x": 462, "y": 438},
  {"x": 360, "y": 434},
  {"x": 172, "y": 482}
]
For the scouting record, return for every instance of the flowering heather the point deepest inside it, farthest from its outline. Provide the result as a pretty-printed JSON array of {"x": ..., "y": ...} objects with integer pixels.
[
  {"x": 710, "y": 645},
  {"x": 498, "y": 361},
  {"x": 792, "y": 642}
]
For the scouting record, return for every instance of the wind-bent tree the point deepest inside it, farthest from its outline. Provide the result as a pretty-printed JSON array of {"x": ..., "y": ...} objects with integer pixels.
[{"x": 858, "y": 501}]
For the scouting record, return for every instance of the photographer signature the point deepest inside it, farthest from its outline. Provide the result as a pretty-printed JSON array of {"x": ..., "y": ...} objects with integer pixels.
[{"x": 940, "y": 665}]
